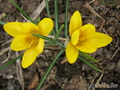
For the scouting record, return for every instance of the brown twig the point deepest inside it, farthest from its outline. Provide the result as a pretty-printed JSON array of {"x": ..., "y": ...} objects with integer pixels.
[
  {"x": 19, "y": 72},
  {"x": 95, "y": 13},
  {"x": 115, "y": 53},
  {"x": 2, "y": 15},
  {"x": 39, "y": 9},
  {"x": 9, "y": 51},
  {"x": 59, "y": 38}
]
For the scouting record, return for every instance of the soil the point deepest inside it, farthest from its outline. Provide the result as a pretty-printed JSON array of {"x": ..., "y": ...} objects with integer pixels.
[{"x": 64, "y": 76}]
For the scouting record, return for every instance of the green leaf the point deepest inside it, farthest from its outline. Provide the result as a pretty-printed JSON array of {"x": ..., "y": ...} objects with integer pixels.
[
  {"x": 22, "y": 11},
  {"x": 112, "y": 2},
  {"x": 49, "y": 69},
  {"x": 66, "y": 19},
  {"x": 47, "y": 8},
  {"x": 59, "y": 31},
  {"x": 50, "y": 44},
  {"x": 48, "y": 13},
  {"x": 89, "y": 57},
  {"x": 89, "y": 64},
  {"x": 10, "y": 62},
  {"x": 37, "y": 20},
  {"x": 44, "y": 37},
  {"x": 48, "y": 39},
  {"x": 56, "y": 14},
  {"x": 2, "y": 23}
]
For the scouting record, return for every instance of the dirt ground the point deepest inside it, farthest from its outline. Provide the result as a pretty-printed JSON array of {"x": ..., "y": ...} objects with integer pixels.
[{"x": 64, "y": 76}]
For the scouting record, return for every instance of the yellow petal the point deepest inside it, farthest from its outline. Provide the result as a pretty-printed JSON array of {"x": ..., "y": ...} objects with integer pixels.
[
  {"x": 87, "y": 31},
  {"x": 75, "y": 22},
  {"x": 29, "y": 28},
  {"x": 13, "y": 28},
  {"x": 29, "y": 57},
  {"x": 71, "y": 53},
  {"x": 75, "y": 37},
  {"x": 86, "y": 47},
  {"x": 40, "y": 46},
  {"x": 45, "y": 26},
  {"x": 22, "y": 42},
  {"x": 100, "y": 39}
]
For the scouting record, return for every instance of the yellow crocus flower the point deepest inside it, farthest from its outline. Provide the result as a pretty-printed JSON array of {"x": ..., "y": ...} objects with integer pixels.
[
  {"x": 83, "y": 38},
  {"x": 24, "y": 40}
]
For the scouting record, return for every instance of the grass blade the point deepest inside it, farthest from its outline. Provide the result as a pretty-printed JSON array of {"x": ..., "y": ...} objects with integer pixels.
[
  {"x": 48, "y": 39},
  {"x": 89, "y": 57},
  {"x": 2, "y": 23},
  {"x": 56, "y": 14},
  {"x": 22, "y": 11},
  {"x": 112, "y": 2},
  {"x": 47, "y": 8},
  {"x": 44, "y": 37},
  {"x": 66, "y": 19},
  {"x": 49, "y": 69},
  {"x": 59, "y": 31},
  {"x": 10, "y": 62},
  {"x": 48, "y": 12},
  {"x": 89, "y": 64}
]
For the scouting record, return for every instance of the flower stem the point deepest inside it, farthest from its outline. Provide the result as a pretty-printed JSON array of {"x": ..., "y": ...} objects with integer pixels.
[
  {"x": 48, "y": 12},
  {"x": 22, "y": 11},
  {"x": 66, "y": 19},
  {"x": 56, "y": 15},
  {"x": 47, "y": 8},
  {"x": 59, "y": 31},
  {"x": 49, "y": 69}
]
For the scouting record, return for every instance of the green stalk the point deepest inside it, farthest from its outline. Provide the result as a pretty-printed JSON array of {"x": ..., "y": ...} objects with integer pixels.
[
  {"x": 10, "y": 62},
  {"x": 110, "y": 2},
  {"x": 56, "y": 14},
  {"x": 22, "y": 11},
  {"x": 89, "y": 57},
  {"x": 48, "y": 70},
  {"x": 89, "y": 64},
  {"x": 2, "y": 23},
  {"x": 50, "y": 44},
  {"x": 48, "y": 12},
  {"x": 47, "y": 8},
  {"x": 59, "y": 31},
  {"x": 48, "y": 39},
  {"x": 66, "y": 19}
]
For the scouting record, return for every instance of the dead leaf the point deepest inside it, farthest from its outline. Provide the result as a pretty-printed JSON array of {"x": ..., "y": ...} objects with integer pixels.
[{"x": 34, "y": 82}]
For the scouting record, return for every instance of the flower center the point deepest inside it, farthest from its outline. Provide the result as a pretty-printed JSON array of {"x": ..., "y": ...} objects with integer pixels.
[{"x": 81, "y": 39}]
